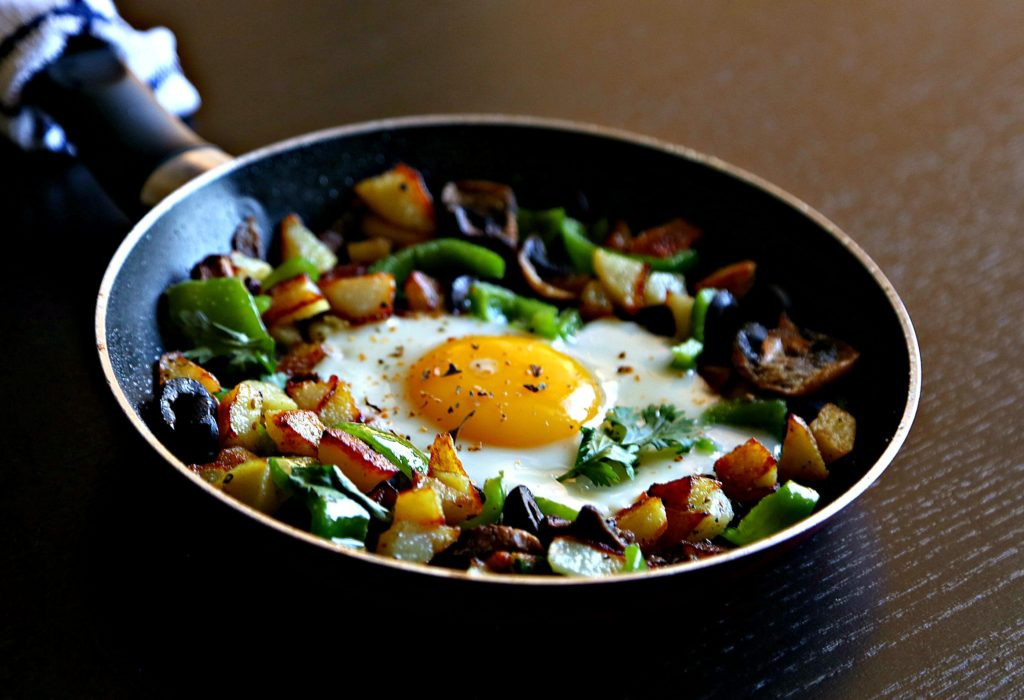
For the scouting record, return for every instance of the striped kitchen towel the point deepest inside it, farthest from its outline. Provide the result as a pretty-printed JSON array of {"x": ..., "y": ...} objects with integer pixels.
[{"x": 35, "y": 32}]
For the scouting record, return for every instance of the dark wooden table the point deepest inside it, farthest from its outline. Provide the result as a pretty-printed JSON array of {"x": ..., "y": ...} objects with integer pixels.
[{"x": 902, "y": 122}]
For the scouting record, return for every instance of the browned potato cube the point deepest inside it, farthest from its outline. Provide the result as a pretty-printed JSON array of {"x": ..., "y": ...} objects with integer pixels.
[
  {"x": 623, "y": 279},
  {"x": 737, "y": 278},
  {"x": 646, "y": 519},
  {"x": 361, "y": 299},
  {"x": 294, "y": 300},
  {"x": 227, "y": 459},
  {"x": 696, "y": 508},
  {"x": 400, "y": 197},
  {"x": 594, "y": 301},
  {"x": 834, "y": 430},
  {"x": 421, "y": 505},
  {"x": 801, "y": 460},
  {"x": 295, "y": 432},
  {"x": 356, "y": 460},
  {"x": 302, "y": 359},
  {"x": 173, "y": 365},
  {"x": 297, "y": 241},
  {"x": 240, "y": 417},
  {"x": 423, "y": 292},
  {"x": 411, "y": 541},
  {"x": 748, "y": 473},
  {"x": 368, "y": 251},
  {"x": 331, "y": 399},
  {"x": 250, "y": 482}
]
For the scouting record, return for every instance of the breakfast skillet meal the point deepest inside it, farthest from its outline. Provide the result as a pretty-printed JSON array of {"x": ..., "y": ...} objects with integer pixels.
[{"x": 497, "y": 389}]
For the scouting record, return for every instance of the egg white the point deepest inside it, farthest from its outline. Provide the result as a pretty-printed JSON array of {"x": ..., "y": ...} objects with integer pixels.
[{"x": 629, "y": 364}]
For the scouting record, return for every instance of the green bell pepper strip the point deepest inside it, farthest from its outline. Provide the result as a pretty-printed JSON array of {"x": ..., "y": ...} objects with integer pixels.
[
  {"x": 221, "y": 319},
  {"x": 769, "y": 414},
  {"x": 489, "y": 302},
  {"x": 549, "y": 224},
  {"x": 700, "y": 312},
  {"x": 442, "y": 254},
  {"x": 776, "y": 511},
  {"x": 494, "y": 502},
  {"x": 580, "y": 250},
  {"x": 634, "y": 559},
  {"x": 399, "y": 451},
  {"x": 292, "y": 267},
  {"x": 684, "y": 355},
  {"x": 555, "y": 509}
]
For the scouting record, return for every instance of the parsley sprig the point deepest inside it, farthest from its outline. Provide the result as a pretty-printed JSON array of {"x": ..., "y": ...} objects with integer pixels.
[
  {"x": 609, "y": 454},
  {"x": 215, "y": 340}
]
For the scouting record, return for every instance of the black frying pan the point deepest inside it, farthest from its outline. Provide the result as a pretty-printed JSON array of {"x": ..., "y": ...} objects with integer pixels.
[{"x": 837, "y": 289}]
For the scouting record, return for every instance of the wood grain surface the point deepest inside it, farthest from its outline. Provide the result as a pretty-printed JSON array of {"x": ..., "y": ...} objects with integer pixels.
[{"x": 903, "y": 122}]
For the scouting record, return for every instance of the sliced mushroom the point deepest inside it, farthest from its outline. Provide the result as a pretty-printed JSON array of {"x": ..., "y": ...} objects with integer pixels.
[
  {"x": 532, "y": 256},
  {"x": 483, "y": 208},
  {"x": 790, "y": 361}
]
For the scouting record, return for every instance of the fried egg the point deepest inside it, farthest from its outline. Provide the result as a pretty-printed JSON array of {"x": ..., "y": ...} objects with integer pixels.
[{"x": 519, "y": 401}]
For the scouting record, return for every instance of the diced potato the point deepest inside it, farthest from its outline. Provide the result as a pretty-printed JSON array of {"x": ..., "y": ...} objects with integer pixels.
[
  {"x": 173, "y": 365},
  {"x": 646, "y": 519},
  {"x": 622, "y": 278},
  {"x": 737, "y": 278},
  {"x": 696, "y": 508},
  {"x": 240, "y": 417},
  {"x": 834, "y": 430},
  {"x": 361, "y": 299},
  {"x": 251, "y": 483},
  {"x": 681, "y": 306},
  {"x": 250, "y": 267},
  {"x": 297, "y": 241},
  {"x": 423, "y": 292},
  {"x": 666, "y": 240},
  {"x": 459, "y": 499},
  {"x": 294, "y": 300},
  {"x": 749, "y": 472},
  {"x": 274, "y": 397},
  {"x": 412, "y": 541},
  {"x": 594, "y": 301},
  {"x": 422, "y": 505},
  {"x": 572, "y": 557},
  {"x": 443, "y": 457},
  {"x": 660, "y": 285},
  {"x": 365, "y": 467},
  {"x": 321, "y": 329},
  {"x": 400, "y": 197},
  {"x": 368, "y": 251},
  {"x": 227, "y": 459},
  {"x": 332, "y": 399},
  {"x": 295, "y": 432},
  {"x": 801, "y": 460},
  {"x": 302, "y": 359},
  {"x": 376, "y": 227}
]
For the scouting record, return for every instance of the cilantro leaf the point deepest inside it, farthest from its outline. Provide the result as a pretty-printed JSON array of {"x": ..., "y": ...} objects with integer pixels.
[
  {"x": 215, "y": 340},
  {"x": 609, "y": 454}
]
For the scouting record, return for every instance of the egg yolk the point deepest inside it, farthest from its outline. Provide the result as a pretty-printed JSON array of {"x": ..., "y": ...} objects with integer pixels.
[{"x": 508, "y": 391}]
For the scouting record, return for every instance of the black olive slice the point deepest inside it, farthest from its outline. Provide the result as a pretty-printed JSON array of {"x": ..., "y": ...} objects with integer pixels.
[{"x": 189, "y": 418}]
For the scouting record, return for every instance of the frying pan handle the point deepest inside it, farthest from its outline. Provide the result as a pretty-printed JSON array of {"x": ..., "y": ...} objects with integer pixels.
[{"x": 137, "y": 150}]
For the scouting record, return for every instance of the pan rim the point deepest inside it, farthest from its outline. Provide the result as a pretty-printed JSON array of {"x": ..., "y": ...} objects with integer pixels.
[{"x": 793, "y": 532}]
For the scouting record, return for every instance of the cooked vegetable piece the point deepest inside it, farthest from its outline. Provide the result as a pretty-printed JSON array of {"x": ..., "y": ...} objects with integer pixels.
[
  {"x": 220, "y": 317},
  {"x": 412, "y": 541},
  {"x": 251, "y": 483},
  {"x": 634, "y": 560},
  {"x": 737, "y": 278},
  {"x": 801, "y": 458},
  {"x": 483, "y": 208},
  {"x": 493, "y": 303},
  {"x": 646, "y": 520},
  {"x": 399, "y": 451},
  {"x": 423, "y": 292},
  {"x": 442, "y": 255},
  {"x": 400, "y": 197},
  {"x": 240, "y": 417},
  {"x": 696, "y": 508},
  {"x": 363, "y": 298},
  {"x": 834, "y": 431},
  {"x": 332, "y": 399},
  {"x": 338, "y": 511},
  {"x": 573, "y": 557},
  {"x": 555, "y": 509},
  {"x": 788, "y": 360},
  {"x": 684, "y": 355},
  {"x": 292, "y": 267},
  {"x": 295, "y": 299},
  {"x": 357, "y": 460},
  {"x": 369, "y": 251},
  {"x": 668, "y": 240},
  {"x": 749, "y": 472},
  {"x": 777, "y": 511},
  {"x": 700, "y": 311},
  {"x": 175, "y": 364},
  {"x": 769, "y": 414},
  {"x": 494, "y": 502},
  {"x": 295, "y": 432},
  {"x": 623, "y": 278},
  {"x": 297, "y": 241}
]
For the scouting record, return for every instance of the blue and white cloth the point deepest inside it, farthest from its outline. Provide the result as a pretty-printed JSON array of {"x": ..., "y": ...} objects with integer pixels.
[{"x": 33, "y": 33}]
